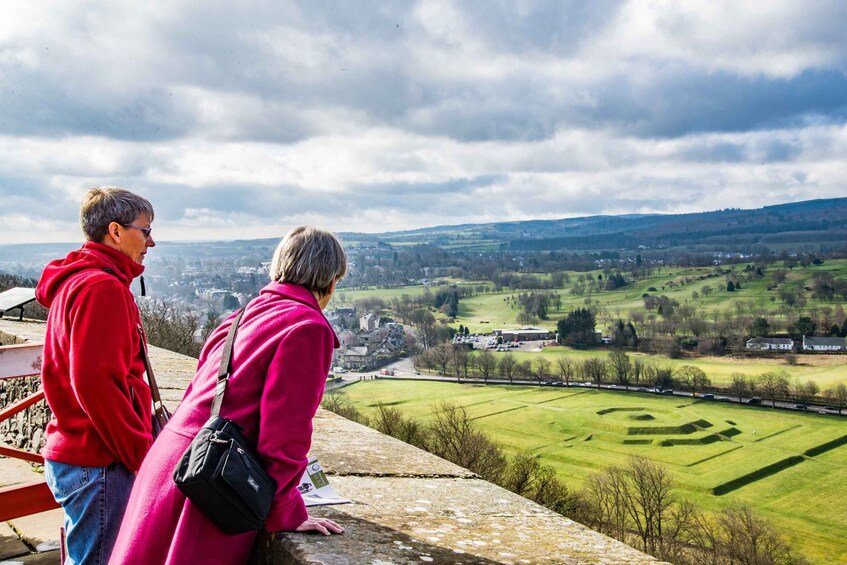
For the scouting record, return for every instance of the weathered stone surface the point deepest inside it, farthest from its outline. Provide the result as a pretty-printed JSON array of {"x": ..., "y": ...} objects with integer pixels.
[
  {"x": 410, "y": 520},
  {"x": 40, "y": 531},
  {"x": 46, "y": 558},
  {"x": 347, "y": 448},
  {"x": 10, "y": 544},
  {"x": 16, "y": 471},
  {"x": 173, "y": 374}
]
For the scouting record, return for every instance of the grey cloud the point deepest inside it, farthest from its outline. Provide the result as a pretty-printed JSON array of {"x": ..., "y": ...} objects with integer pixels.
[{"x": 216, "y": 50}]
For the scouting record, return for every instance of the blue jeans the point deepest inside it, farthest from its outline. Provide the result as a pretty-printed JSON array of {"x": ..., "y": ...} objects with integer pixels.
[{"x": 94, "y": 500}]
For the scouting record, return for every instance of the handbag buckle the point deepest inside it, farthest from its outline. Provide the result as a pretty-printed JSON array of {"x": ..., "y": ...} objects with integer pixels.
[{"x": 215, "y": 439}]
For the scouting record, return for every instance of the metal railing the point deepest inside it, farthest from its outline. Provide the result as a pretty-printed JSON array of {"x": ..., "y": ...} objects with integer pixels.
[{"x": 19, "y": 361}]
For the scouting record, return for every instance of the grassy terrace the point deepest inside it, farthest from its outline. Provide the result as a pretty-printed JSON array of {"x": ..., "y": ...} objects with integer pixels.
[{"x": 706, "y": 446}]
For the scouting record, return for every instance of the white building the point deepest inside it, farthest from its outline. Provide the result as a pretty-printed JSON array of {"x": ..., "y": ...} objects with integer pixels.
[
  {"x": 824, "y": 343},
  {"x": 770, "y": 344}
]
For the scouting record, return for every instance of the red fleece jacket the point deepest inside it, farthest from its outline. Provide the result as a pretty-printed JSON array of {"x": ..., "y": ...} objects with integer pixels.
[{"x": 92, "y": 370}]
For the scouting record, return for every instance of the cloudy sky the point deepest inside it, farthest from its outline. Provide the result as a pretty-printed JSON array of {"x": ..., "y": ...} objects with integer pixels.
[{"x": 240, "y": 120}]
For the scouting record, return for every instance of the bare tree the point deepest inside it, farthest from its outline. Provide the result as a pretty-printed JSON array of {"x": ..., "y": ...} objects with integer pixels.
[
  {"x": 750, "y": 540},
  {"x": 453, "y": 437},
  {"x": 739, "y": 385},
  {"x": 508, "y": 366},
  {"x": 526, "y": 476},
  {"x": 170, "y": 327},
  {"x": 693, "y": 377},
  {"x": 460, "y": 359},
  {"x": 567, "y": 368},
  {"x": 441, "y": 356},
  {"x": 620, "y": 367},
  {"x": 606, "y": 500},
  {"x": 424, "y": 323},
  {"x": 390, "y": 421},
  {"x": 837, "y": 395},
  {"x": 774, "y": 384},
  {"x": 487, "y": 364},
  {"x": 338, "y": 403},
  {"x": 648, "y": 501},
  {"x": 542, "y": 369},
  {"x": 594, "y": 370}
]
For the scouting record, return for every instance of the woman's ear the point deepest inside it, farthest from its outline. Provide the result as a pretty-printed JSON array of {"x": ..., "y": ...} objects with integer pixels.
[{"x": 113, "y": 234}]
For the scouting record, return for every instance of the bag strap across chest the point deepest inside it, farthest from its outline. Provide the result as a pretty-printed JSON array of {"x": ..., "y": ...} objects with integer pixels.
[{"x": 226, "y": 365}]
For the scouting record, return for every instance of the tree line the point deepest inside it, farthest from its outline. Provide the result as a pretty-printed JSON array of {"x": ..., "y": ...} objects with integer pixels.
[{"x": 618, "y": 368}]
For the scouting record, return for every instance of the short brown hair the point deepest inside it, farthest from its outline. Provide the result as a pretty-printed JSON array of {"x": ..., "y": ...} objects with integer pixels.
[
  {"x": 103, "y": 205},
  {"x": 311, "y": 257}
]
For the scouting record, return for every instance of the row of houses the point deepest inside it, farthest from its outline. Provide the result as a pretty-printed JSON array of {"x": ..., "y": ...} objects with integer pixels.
[
  {"x": 368, "y": 346},
  {"x": 787, "y": 344}
]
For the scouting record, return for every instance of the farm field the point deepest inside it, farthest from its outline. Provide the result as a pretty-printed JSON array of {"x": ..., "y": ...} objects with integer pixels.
[{"x": 705, "y": 446}]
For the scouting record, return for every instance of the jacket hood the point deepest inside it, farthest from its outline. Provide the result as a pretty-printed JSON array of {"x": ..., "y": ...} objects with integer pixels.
[{"x": 91, "y": 255}]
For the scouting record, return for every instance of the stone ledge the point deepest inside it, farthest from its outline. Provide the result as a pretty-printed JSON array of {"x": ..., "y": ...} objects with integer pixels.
[{"x": 409, "y": 520}]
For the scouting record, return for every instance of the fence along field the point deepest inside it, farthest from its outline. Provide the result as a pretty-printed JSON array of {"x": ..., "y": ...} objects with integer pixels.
[{"x": 791, "y": 468}]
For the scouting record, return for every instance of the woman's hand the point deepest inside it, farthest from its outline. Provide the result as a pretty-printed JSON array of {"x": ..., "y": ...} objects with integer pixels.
[{"x": 321, "y": 525}]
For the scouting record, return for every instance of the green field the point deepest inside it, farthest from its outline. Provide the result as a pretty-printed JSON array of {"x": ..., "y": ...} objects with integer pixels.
[
  {"x": 485, "y": 312},
  {"x": 704, "y": 445}
]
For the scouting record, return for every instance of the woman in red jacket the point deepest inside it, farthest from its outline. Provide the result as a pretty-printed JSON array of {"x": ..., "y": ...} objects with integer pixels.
[
  {"x": 93, "y": 371},
  {"x": 281, "y": 357}
]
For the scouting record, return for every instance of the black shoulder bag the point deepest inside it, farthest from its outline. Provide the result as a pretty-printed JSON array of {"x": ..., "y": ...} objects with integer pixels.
[{"x": 220, "y": 471}]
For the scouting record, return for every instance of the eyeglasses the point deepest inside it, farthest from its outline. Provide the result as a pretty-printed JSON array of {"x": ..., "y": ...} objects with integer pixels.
[{"x": 145, "y": 231}]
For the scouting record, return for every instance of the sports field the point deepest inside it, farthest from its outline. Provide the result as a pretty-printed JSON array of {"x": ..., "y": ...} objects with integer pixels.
[{"x": 791, "y": 467}]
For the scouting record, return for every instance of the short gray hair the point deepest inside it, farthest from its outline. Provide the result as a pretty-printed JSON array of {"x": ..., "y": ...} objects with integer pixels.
[
  {"x": 310, "y": 257},
  {"x": 103, "y": 205}
]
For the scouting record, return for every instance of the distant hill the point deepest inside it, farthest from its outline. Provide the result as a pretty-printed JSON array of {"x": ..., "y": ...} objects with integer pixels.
[{"x": 811, "y": 225}]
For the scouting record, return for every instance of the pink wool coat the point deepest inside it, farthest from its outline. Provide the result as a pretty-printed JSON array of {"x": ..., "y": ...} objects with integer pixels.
[{"x": 281, "y": 358}]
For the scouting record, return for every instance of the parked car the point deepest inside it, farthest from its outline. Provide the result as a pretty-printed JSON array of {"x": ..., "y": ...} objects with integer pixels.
[
  {"x": 754, "y": 400},
  {"x": 800, "y": 407},
  {"x": 707, "y": 396}
]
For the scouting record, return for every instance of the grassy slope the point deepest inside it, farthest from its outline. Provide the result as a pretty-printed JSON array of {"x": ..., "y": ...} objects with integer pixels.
[
  {"x": 620, "y": 303},
  {"x": 564, "y": 428},
  {"x": 490, "y": 311}
]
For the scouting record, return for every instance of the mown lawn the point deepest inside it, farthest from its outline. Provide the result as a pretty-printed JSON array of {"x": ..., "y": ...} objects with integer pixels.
[{"x": 581, "y": 431}]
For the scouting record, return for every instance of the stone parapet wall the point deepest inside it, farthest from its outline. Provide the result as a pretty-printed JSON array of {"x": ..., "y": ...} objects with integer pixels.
[{"x": 408, "y": 505}]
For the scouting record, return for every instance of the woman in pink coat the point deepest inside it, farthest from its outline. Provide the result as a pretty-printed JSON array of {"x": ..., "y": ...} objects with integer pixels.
[{"x": 281, "y": 358}]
